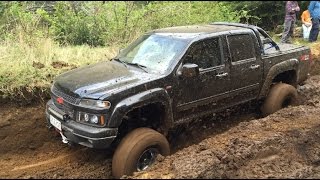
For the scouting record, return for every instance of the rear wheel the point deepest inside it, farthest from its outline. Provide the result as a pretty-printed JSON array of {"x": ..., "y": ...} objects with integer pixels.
[
  {"x": 281, "y": 95},
  {"x": 138, "y": 151}
]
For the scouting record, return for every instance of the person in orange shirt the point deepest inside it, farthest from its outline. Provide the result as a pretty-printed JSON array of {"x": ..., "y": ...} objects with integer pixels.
[{"x": 306, "y": 24}]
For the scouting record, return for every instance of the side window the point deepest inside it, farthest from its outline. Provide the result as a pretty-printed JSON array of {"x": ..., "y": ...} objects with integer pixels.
[
  {"x": 241, "y": 47},
  {"x": 205, "y": 54}
]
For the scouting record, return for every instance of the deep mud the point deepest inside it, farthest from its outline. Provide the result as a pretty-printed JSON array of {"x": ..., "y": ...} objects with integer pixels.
[{"x": 237, "y": 144}]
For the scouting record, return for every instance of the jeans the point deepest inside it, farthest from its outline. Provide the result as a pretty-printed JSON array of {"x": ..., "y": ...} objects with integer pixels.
[
  {"x": 314, "y": 30},
  {"x": 288, "y": 30},
  {"x": 306, "y": 31}
]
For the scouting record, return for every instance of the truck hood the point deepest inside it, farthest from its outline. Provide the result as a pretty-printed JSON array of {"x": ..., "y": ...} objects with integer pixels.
[{"x": 99, "y": 79}]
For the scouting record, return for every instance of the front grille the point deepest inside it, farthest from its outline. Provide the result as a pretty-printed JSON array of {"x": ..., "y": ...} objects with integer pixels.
[
  {"x": 66, "y": 97},
  {"x": 66, "y": 107}
]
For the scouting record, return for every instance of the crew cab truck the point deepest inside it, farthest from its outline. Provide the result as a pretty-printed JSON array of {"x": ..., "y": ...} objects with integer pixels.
[{"x": 169, "y": 77}]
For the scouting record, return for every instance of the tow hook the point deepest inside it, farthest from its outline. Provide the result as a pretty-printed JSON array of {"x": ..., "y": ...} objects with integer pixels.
[{"x": 64, "y": 139}]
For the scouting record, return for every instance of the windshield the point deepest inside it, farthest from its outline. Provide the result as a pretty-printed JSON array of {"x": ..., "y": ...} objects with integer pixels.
[{"x": 155, "y": 52}]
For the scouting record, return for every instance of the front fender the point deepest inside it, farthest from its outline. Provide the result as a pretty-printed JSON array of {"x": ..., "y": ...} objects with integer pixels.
[
  {"x": 157, "y": 95},
  {"x": 291, "y": 64}
]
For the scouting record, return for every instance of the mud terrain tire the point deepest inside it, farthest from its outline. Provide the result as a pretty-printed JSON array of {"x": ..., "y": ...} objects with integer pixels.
[
  {"x": 280, "y": 96},
  {"x": 133, "y": 146}
]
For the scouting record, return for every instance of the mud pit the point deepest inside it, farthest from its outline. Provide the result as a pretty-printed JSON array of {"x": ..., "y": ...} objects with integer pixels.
[
  {"x": 283, "y": 145},
  {"x": 239, "y": 145}
]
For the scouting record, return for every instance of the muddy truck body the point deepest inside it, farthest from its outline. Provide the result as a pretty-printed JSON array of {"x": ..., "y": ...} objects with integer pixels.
[{"x": 169, "y": 77}]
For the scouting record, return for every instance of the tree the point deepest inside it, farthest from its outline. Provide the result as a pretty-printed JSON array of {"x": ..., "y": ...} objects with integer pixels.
[{"x": 270, "y": 13}]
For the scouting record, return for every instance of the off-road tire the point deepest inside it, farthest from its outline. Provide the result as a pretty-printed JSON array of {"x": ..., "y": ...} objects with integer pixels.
[
  {"x": 281, "y": 95},
  {"x": 132, "y": 146}
]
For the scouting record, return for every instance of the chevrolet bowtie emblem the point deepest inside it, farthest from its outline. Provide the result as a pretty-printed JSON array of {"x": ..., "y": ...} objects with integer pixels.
[{"x": 60, "y": 100}]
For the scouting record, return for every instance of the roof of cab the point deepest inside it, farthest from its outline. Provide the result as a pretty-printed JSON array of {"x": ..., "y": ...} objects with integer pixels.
[{"x": 199, "y": 29}]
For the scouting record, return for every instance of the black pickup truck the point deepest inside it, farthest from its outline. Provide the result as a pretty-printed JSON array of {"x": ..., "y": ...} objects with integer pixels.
[{"x": 170, "y": 77}]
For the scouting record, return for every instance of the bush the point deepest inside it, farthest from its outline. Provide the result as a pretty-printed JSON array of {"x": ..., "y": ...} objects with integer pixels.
[
  {"x": 105, "y": 24},
  {"x": 35, "y": 40}
]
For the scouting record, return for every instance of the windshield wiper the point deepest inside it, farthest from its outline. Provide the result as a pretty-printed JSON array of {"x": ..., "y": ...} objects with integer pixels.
[
  {"x": 140, "y": 66},
  {"x": 117, "y": 59}
]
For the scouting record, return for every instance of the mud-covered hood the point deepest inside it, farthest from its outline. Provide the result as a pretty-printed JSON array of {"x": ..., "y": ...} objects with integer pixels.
[{"x": 99, "y": 79}]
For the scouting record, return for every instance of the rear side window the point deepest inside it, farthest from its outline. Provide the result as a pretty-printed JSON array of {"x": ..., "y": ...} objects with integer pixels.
[{"x": 241, "y": 47}]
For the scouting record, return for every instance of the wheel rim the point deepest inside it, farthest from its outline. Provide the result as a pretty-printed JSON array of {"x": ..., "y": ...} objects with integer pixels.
[{"x": 147, "y": 158}]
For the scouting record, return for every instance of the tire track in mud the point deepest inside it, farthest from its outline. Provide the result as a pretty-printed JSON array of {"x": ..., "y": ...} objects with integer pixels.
[
  {"x": 46, "y": 162},
  {"x": 74, "y": 162}
]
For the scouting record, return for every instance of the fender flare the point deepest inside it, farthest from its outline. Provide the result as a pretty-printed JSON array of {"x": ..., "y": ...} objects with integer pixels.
[
  {"x": 157, "y": 95},
  {"x": 291, "y": 64}
]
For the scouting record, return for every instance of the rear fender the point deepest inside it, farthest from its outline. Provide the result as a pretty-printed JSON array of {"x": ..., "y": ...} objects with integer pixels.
[{"x": 291, "y": 64}]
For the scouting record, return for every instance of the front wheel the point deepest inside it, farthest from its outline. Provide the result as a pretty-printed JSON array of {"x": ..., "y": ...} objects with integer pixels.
[
  {"x": 280, "y": 96},
  {"x": 138, "y": 151}
]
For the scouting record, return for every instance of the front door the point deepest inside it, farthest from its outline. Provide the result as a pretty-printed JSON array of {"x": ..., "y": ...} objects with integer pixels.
[{"x": 200, "y": 94}]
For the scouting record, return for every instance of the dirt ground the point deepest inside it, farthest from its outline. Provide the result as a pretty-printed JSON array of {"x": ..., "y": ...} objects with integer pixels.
[
  {"x": 236, "y": 144},
  {"x": 283, "y": 145}
]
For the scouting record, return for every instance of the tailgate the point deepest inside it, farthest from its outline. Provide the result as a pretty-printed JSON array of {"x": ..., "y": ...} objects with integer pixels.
[{"x": 305, "y": 59}]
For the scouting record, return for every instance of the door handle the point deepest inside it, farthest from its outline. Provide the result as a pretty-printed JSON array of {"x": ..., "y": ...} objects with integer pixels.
[
  {"x": 253, "y": 66},
  {"x": 222, "y": 75}
]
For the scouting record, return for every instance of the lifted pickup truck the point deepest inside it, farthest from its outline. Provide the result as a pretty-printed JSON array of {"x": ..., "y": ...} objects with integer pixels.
[{"x": 169, "y": 77}]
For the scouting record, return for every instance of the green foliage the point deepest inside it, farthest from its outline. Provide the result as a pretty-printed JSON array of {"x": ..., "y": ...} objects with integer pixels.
[
  {"x": 106, "y": 23},
  {"x": 17, "y": 22},
  {"x": 32, "y": 34},
  {"x": 166, "y": 14},
  {"x": 259, "y": 12},
  {"x": 266, "y": 14}
]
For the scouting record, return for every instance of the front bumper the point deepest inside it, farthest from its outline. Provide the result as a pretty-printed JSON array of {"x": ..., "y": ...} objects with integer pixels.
[{"x": 86, "y": 135}]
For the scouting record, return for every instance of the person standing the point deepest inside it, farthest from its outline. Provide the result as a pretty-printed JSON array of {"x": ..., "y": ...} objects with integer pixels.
[
  {"x": 314, "y": 9},
  {"x": 306, "y": 24},
  {"x": 290, "y": 19}
]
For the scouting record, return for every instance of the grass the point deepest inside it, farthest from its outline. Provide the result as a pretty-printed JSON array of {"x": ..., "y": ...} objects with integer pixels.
[
  {"x": 295, "y": 40},
  {"x": 29, "y": 66}
]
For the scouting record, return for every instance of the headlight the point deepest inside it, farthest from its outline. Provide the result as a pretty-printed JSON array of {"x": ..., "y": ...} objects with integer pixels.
[
  {"x": 95, "y": 103},
  {"x": 94, "y": 119},
  {"x": 90, "y": 118}
]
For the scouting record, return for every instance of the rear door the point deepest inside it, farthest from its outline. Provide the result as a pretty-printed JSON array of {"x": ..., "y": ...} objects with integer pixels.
[{"x": 246, "y": 66}]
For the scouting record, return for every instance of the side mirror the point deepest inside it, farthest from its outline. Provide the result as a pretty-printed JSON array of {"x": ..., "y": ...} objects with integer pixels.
[
  {"x": 190, "y": 70},
  {"x": 269, "y": 41},
  {"x": 266, "y": 41}
]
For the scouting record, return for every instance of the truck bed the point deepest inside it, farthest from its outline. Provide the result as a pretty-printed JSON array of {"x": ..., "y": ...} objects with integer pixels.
[{"x": 283, "y": 48}]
